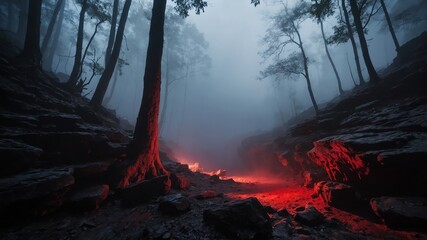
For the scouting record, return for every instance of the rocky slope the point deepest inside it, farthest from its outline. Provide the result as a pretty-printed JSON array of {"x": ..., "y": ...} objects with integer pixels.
[{"x": 373, "y": 139}]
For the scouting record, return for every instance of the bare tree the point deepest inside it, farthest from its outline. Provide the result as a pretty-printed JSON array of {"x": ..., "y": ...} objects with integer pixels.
[
  {"x": 284, "y": 32},
  {"x": 356, "y": 11}
]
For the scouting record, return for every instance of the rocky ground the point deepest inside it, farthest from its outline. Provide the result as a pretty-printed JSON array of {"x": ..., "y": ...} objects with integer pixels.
[{"x": 362, "y": 158}]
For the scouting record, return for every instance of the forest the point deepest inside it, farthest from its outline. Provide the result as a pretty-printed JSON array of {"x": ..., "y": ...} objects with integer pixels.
[{"x": 194, "y": 119}]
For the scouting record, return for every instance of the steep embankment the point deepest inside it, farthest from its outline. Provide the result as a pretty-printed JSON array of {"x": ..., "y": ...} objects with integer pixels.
[{"x": 373, "y": 138}]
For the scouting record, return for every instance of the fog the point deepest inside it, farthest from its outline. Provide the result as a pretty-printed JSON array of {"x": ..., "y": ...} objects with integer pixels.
[{"x": 211, "y": 111}]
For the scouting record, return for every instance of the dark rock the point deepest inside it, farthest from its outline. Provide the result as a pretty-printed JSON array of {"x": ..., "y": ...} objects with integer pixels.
[
  {"x": 299, "y": 209},
  {"x": 17, "y": 156},
  {"x": 388, "y": 163},
  {"x": 281, "y": 230},
  {"x": 283, "y": 212},
  {"x": 243, "y": 219},
  {"x": 338, "y": 195},
  {"x": 401, "y": 212},
  {"x": 310, "y": 216},
  {"x": 311, "y": 178},
  {"x": 174, "y": 204},
  {"x": 145, "y": 191},
  {"x": 179, "y": 182},
  {"x": 33, "y": 194},
  {"x": 270, "y": 209},
  {"x": 206, "y": 195},
  {"x": 91, "y": 173},
  {"x": 88, "y": 199}
]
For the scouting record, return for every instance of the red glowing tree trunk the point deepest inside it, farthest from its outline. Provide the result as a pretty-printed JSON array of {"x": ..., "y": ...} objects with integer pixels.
[{"x": 144, "y": 149}]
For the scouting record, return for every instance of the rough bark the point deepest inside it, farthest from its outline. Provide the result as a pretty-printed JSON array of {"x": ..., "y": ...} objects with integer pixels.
[
  {"x": 144, "y": 149},
  {"x": 102, "y": 86},
  {"x": 72, "y": 82},
  {"x": 390, "y": 26},
  {"x": 112, "y": 31},
  {"x": 330, "y": 58},
  {"x": 10, "y": 17},
  {"x": 165, "y": 96},
  {"x": 31, "y": 52},
  {"x": 23, "y": 17},
  {"x": 353, "y": 43},
  {"x": 50, "y": 52},
  {"x": 363, "y": 44},
  {"x": 51, "y": 25},
  {"x": 306, "y": 74}
]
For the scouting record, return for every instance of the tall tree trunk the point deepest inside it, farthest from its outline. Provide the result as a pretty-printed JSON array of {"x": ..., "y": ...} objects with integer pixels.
[
  {"x": 363, "y": 44},
  {"x": 144, "y": 149},
  {"x": 31, "y": 52},
  {"x": 102, "y": 86},
  {"x": 72, "y": 82},
  {"x": 165, "y": 96},
  {"x": 390, "y": 26},
  {"x": 11, "y": 24},
  {"x": 112, "y": 31},
  {"x": 23, "y": 18},
  {"x": 353, "y": 43},
  {"x": 52, "y": 22},
  {"x": 330, "y": 59},
  {"x": 306, "y": 74},
  {"x": 50, "y": 52},
  {"x": 108, "y": 98}
]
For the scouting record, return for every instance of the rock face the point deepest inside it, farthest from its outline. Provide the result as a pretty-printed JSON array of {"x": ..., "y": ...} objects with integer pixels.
[
  {"x": 401, "y": 212},
  {"x": 373, "y": 138},
  {"x": 145, "y": 191},
  {"x": 174, "y": 204},
  {"x": 338, "y": 195},
  {"x": 310, "y": 216},
  {"x": 88, "y": 199},
  {"x": 244, "y": 219},
  {"x": 34, "y": 193}
]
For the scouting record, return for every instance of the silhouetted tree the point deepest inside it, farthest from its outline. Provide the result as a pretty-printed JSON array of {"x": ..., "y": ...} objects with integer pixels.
[
  {"x": 72, "y": 82},
  {"x": 31, "y": 52},
  {"x": 49, "y": 53},
  {"x": 321, "y": 10},
  {"x": 285, "y": 31},
  {"x": 112, "y": 35},
  {"x": 144, "y": 150},
  {"x": 52, "y": 22},
  {"x": 390, "y": 26},
  {"x": 102, "y": 86},
  {"x": 356, "y": 11},
  {"x": 353, "y": 41}
]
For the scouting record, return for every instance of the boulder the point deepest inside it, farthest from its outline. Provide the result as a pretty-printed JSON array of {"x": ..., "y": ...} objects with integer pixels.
[
  {"x": 311, "y": 178},
  {"x": 17, "y": 156},
  {"x": 391, "y": 162},
  {"x": 282, "y": 230},
  {"x": 283, "y": 212},
  {"x": 242, "y": 219},
  {"x": 90, "y": 173},
  {"x": 338, "y": 195},
  {"x": 310, "y": 216},
  {"x": 401, "y": 212},
  {"x": 179, "y": 182},
  {"x": 34, "y": 193},
  {"x": 206, "y": 195},
  {"x": 174, "y": 204},
  {"x": 88, "y": 199},
  {"x": 145, "y": 191}
]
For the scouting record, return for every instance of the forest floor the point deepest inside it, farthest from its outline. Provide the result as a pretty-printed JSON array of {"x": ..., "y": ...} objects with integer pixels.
[{"x": 112, "y": 221}]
